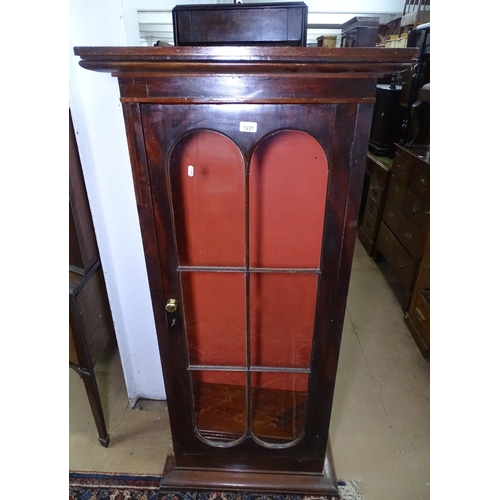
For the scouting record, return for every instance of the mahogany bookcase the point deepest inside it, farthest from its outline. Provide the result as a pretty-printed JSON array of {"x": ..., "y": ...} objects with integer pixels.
[{"x": 248, "y": 166}]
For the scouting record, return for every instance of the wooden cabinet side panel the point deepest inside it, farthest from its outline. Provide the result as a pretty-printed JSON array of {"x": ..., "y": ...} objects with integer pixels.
[
  {"x": 140, "y": 172},
  {"x": 95, "y": 315},
  {"x": 341, "y": 220},
  {"x": 83, "y": 251}
]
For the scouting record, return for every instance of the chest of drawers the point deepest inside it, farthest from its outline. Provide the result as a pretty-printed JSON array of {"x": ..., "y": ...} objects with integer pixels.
[{"x": 405, "y": 217}]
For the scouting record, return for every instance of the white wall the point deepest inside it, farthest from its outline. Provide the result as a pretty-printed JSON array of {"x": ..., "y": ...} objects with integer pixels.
[{"x": 98, "y": 120}]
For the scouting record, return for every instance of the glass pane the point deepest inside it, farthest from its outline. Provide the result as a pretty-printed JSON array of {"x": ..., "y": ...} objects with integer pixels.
[
  {"x": 282, "y": 310},
  {"x": 208, "y": 192},
  {"x": 220, "y": 404},
  {"x": 278, "y": 406},
  {"x": 215, "y": 317},
  {"x": 288, "y": 178}
]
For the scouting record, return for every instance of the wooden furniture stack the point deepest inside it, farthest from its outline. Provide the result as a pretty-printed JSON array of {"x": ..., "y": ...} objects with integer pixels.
[
  {"x": 405, "y": 219},
  {"x": 90, "y": 323},
  {"x": 248, "y": 165},
  {"x": 360, "y": 32},
  {"x": 416, "y": 12}
]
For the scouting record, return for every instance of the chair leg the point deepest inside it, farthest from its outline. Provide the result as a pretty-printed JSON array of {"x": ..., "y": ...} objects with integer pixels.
[{"x": 92, "y": 390}]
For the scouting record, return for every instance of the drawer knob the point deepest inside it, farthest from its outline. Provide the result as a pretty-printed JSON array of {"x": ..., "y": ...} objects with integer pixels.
[
  {"x": 419, "y": 314},
  {"x": 385, "y": 239},
  {"x": 401, "y": 167},
  {"x": 370, "y": 208},
  {"x": 422, "y": 181},
  {"x": 390, "y": 214},
  {"x": 408, "y": 235},
  {"x": 396, "y": 189},
  {"x": 367, "y": 223},
  {"x": 416, "y": 207},
  {"x": 171, "y": 306},
  {"x": 374, "y": 192},
  {"x": 401, "y": 263}
]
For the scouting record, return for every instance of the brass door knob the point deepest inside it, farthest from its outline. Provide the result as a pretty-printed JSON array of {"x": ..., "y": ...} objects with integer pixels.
[{"x": 171, "y": 306}]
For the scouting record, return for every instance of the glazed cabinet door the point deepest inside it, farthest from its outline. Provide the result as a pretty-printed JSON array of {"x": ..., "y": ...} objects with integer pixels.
[{"x": 249, "y": 207}]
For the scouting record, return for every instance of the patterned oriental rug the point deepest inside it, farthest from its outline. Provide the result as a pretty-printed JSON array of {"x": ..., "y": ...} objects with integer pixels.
[{"x": 118, "y": 486}]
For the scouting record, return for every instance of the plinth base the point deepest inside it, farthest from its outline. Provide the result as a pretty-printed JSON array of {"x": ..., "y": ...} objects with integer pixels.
[{"x": 229, "y": 480}]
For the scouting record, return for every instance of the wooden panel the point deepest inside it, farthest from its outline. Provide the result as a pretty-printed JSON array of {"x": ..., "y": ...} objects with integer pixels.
[
  {"x": 260, "y": 88},
  {"x": 73, "y": 354},
  {"x": 397, "y": 192},
  {"x": 373, "y": 210},
  {"x": 417, "y": 155},
  {"x": 279, "y": 24},
  {"x": 416, "y": 209},
  {"x": 83, "y": 251},
  {"x": 371, "y": 219},
  {"x": 351, "y": 64},
  {"x": 396, "y": 255},
  {"x": 402, "y": 168},
  {"x": 375, "y": 191},
  {"x": 377, "y": 170},
  {"x": 235, "y": 478},
  {"x": 421, "y": 312},
  {"x": 369, "y": 226},
  {"x": 420, "y": 183},
  {"x": 95, "y": 315},
  {"x": 385, "y": 241},
  {"x": 408, "y": 234},
  {"x": 368, "y": 244},
  {"x": 403, "y": 264},
  {"x": 90, "y": 330},
  {"x": 417, "y": 318}
]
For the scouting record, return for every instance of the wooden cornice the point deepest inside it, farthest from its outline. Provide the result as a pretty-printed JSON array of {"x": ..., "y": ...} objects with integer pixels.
[{"x": 121, "y": 61}]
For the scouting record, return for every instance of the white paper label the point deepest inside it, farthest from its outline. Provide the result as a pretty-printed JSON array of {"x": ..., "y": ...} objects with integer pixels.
[
  {"x": 190, "y": 170},
  {"x": 248, "y": 126}
]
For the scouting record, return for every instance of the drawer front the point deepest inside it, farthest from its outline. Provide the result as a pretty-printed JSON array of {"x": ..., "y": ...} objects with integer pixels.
[
  {"x": 395, "y": 254},
  {"x": 377, "y": 171},
  {"x": 407, "y": 233},
  {"x": 372, "y": 208},
  {"x": 73, "y": 353},
  {"x": 375, "y": 191},
  {"x": 392, "y": 216},
  {"x": 385, "y": 241},
  {"x": 370, "y": 225},
  {"x": 402, "y": 168},
  {"x": 403, "y": 264},
  {"x": 397, "y": 192},
  {"x": 420, "y": 314},
  {"x": 420, "y": 183},
  {"x": 416, "y": 209}
]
